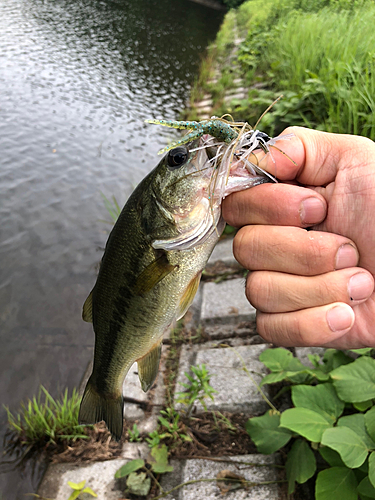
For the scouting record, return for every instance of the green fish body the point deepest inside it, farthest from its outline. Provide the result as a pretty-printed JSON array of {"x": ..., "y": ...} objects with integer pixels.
[{"x": 149, "y": 275}]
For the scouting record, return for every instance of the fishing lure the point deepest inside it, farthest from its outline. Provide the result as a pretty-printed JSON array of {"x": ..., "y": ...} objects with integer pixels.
[
  {"x": 225, "y": 131},
  {"x": 216, "y": 127}
]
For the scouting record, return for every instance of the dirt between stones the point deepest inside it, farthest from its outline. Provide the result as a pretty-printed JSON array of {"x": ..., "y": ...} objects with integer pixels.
[{"x": 210, "y": 438}]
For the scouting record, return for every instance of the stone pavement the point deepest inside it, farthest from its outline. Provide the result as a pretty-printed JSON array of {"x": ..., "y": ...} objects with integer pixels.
[{"x": 230, "y": 343}]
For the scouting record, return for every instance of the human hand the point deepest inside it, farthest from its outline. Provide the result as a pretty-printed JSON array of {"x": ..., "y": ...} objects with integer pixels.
[{"x": 311, "y": 288}]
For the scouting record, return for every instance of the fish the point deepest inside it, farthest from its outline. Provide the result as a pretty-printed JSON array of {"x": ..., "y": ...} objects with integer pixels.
[{"x": 152, "y": 265}]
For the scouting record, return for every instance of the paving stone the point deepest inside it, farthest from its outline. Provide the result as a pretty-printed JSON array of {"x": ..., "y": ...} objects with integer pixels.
[
  {"x": 193, "y": 315},
  {"x": 132, "y": 389},
  {"x": 224, "y": 252},
  {"x": 225, "y": 302},
  {"x": 236, "y": 392},
  {"x": 130, "y": 451},
  {"x": 302, "y": 353},
  {"x": 236, "y": 91},
  {"x": 204, "y": 103},
  {"x": 209, "y": 490},
  {"x": 238, "y": 96},
  {"x": 100, "y": 476}
]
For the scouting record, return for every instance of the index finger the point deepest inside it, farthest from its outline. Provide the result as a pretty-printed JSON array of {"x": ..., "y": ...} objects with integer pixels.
[{"x": 317, "y": 156}]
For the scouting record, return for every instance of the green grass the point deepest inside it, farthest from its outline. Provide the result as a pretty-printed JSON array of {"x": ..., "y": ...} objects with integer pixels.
[
  {"x": 324, "y": 63},
  {"x": 320, "y": 54},
  {"x": 44, "y": 420}
]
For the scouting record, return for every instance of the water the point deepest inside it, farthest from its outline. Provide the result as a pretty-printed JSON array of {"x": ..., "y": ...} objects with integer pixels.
[{"x": 77, "y": 80}]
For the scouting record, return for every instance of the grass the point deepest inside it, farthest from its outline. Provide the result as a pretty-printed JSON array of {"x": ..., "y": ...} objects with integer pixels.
[
  {"x": 43, "y": 421},
  {"x": 319, "y": 54},
  {"x": 325, "y": 69}
]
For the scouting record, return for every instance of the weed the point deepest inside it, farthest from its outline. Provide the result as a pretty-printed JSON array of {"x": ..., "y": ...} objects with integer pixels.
[
  {"x": 197, "y": 389},
  {"x": 222, "y": 419},
  {"x": 44, "y": 420},
  {"x": 333, "y": 416},
  {"x": 140, "y": 473},
  {"x": 113, "y": 208},
  {"x": 134, "y": 434},
  {"x": 78, "y": 489},
  {"x": 169, "y": 427},
  {"x": 154, "y": 438}
]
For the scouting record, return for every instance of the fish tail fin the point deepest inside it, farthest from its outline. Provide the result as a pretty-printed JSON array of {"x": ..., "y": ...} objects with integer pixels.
[{"x": 96, "y": 407}]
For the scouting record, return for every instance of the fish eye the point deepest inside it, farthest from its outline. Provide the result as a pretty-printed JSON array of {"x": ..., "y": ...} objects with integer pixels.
[{"x": 177, "y": 157}]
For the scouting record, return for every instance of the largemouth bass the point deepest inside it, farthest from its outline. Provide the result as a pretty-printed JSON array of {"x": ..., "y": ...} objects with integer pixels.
[{"x": 152, "y": 265}]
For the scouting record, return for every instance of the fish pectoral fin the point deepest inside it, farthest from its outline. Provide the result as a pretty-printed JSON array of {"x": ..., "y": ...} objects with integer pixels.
[
  {"x": 152, "y": 274},
  {"x": 188, "y": 295},
  {"x": 87, "y": 309},
  {"x": 148, "y": 367}
]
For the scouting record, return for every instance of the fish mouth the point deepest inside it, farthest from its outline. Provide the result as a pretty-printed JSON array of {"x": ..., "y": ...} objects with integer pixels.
[{"x": 230, "y": 169}]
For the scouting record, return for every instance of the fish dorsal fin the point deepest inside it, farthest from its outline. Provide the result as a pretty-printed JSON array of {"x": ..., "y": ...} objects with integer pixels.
[
  {"x": 152, "y": 274},
  {"x": 148, "y": 367},
  {"x": 188, "y": 295},
  {"x": 87, "y": 309}
]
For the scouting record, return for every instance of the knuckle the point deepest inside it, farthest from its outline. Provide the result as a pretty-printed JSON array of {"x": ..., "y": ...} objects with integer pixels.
[
  {"x": 321, "y": 253},
  {"x": 239, "y": 243},
  {"x": 259, "y": 291},
  {"x": 243, "y": 246}
]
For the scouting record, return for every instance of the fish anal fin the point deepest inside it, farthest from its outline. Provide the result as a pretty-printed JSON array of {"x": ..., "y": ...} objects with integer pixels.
[
  {"x": 188, "y": 295},
  {"x": 96, "y": 407},
  {"x": 148, "y": 367},
  {"x": 153, "y": 274},
  {"x": 87, "y": 309}
]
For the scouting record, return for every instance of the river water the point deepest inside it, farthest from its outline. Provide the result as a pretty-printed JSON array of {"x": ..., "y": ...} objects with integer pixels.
[{"x": 77, "y": 80}]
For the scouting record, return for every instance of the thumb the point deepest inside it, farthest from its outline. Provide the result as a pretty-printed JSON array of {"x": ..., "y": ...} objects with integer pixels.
[{"x": 313, "y": 157}]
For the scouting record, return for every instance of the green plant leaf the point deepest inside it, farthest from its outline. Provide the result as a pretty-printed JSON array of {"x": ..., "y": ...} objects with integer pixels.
[
  {"x": 370, "y": 422},
  {"x": 279, "y": 359},
  {"x": 266, "y": 433},
  {"x": 77, "y": 486},
  {"x": 75, "y": 494},
  {"x": 348, "y": 444},
  {"x": 371, "y": 468},
  {"x": 366, "y": 488},
  {"x": 333, "y": 358},
  {"x": 89, "y": 491},
  {"x": 337, "y": 482},
  {"x": 321, "y": 398},
  {"x": 138, "y": 483},
  {"x": 307, "y": 423},
  {"x": 364, "y": 405},
  {"x": 355, "y": 382},
  {"x": 159, "y": 460},
  {"x": 363, "y": 351},
  {"x": 356, "y": 423},
  {"x": 331, "y": 456},
  {"x": 300, "y": 464},
  {"x": 129, "y": 467}
]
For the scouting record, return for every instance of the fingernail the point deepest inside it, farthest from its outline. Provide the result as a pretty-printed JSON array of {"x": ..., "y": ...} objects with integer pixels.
[
  {"x": 347, "y": 256},
  {"x": 312, "y": 211},
  {"x": 340, "y": 318},
  {"x": 360, "y": 286}
]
